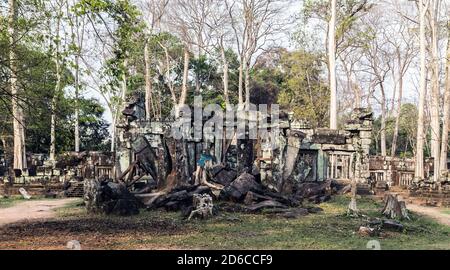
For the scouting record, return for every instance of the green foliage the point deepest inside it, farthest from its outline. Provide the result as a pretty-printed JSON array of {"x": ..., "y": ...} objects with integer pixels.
[
  {"x": 127, "y": 35},
  {"x": 295, "y": 81},
  {"x": 347, "y": 12},
  {"x": 37, "y": 84},
  {"x": 93, "y": 128},
  {"x": 406, "y": 136}
]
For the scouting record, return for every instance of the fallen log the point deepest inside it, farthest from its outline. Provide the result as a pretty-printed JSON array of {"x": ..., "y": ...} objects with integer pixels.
[{"x": 177, "y": 199}]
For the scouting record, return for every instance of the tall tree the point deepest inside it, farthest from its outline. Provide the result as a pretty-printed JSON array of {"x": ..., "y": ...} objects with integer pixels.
[
  {"x": 54, "y": 28},
  {"x": 153, "y": 12},
  {"x": 435, "y": 92},
  {"x": 446, "y": 123},
  {"x": 78, "y": 30},
  {"x": 419, "y": 170},
  {"x": 253, "y": 24},
  {"x": 20, "y": 161},
  {"x": 378, "y": 64},
  {"x": 339, "y": 21},
  {"x": 404, "y": 54},
  {"x": 181, "y": 20},
  {"x": 219, "y": 32},
  {"x": 332, "y": 65},
  {"x": 122, "y": 27}
]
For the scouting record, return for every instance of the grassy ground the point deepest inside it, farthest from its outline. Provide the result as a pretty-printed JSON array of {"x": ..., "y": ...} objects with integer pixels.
[
  {"x": 8, "y": 202},
  {"x": 446, "y": 211},
  {"x": 161, "y": 230}
]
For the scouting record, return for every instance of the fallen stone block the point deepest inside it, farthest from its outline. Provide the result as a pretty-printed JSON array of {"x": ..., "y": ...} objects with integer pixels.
[
  {"x": 366, "y": 231},
  {"x": 295, "y": 213},
  {"x": 239, "y": 188},
  {"x": 314, "y": 210},
  {"x": 24, "y": 194},
  {"x": 265, "y": 205},
  {"x": 392, "y": 225}
]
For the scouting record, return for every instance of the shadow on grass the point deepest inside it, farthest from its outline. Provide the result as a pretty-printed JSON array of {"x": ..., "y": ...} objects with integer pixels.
[{"x": 331, "y": 229}]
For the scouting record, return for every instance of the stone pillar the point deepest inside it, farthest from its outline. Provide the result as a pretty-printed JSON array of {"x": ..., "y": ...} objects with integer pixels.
[{"x": 360, "y": 126}]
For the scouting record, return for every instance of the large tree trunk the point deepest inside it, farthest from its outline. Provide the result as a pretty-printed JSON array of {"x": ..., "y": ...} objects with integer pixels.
[
  {"x": 419, "y": 170},
  {"x": 446, "y": 124},
  {"x": 53, "y": 128},
  {"x": 55, "y": 95},
  {"x": 241, "y": 81},
  {"x": 113, "y": 135},
  {"x": 247, "y": 83},
  {"x": 435, "y": 95},
  {"x": 77, "y": 103},
  {"x": 116, "y": 111},
  {"x": 77, "y": 38},
  {"x": 149, "y": 109},
  {"x": 184, "y": 88},
  {"x": 383, "y": 122},
  {"x": 198, "y": 89},
  {"x": 225, "y": 77},
  {"x": 356, "y": 90},
  {"x": 399, "y": 107},
  {"x": 332, "y": 66},
  {"x": 20, "y": 161}
]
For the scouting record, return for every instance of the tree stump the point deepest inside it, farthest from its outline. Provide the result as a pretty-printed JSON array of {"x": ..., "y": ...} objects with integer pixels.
[
  {"x": 105, "y": 196},
  {"x": 394, "y": 208},
  {"x": 203, "y": 206}
]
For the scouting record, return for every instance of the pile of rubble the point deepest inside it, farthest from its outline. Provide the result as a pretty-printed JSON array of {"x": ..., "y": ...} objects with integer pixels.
[
  {"x": 108, "y": 197},
  {"x": 432, "y": 193},
  {"x": 105, "y": 196},
  {"x": 260, "y": 175}
]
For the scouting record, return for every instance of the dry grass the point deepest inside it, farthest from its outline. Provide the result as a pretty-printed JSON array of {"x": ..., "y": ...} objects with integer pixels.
[{"x": 161, "y": 230}]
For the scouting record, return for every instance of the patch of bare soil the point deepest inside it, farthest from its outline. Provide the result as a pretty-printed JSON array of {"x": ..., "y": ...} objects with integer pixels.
[
  {"x": 95, "y": 232},
  {"x": 432, "y": 212},
  {"x": 31, "y": 210}
]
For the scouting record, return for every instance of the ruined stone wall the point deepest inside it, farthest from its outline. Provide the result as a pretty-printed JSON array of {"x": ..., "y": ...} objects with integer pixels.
[
  {"x": 395, "y": 171},
  {"x": 298, "y": 154},
  {"x": 304, "y": 154}
]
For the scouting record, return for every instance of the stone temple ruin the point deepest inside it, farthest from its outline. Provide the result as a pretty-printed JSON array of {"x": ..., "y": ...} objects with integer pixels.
[
  {"x": 398, "y": 174},
  {"x": 152, "y": 169},
  {"x": 162, "y": 171}
]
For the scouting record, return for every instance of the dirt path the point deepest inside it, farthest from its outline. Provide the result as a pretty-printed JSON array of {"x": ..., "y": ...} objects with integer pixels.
[
  {"x": 31, "y": 210},
  {"x": 434, "y": 213}
]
